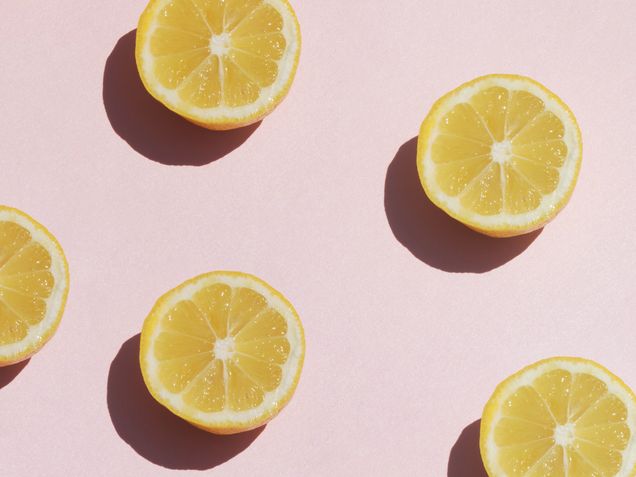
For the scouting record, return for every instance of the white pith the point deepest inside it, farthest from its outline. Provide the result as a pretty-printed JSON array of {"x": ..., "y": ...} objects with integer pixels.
[
  {"x": 36, "y": 333},
  {"x": 563, "y": 434},
  {"x": 223, "y": 112},
  {"x": 272, "y": 399},
  {"x": 567, "y": 172}
]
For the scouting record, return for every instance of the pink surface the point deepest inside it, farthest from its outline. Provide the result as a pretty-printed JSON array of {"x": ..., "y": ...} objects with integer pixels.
[{"x": 411, "y": 319}]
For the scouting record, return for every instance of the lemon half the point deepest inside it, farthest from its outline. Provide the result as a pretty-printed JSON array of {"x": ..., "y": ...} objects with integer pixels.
[
  {"x": 34, "y": 283},
  {"x": 221, "y": 64},
  {"x": 500, "y": 154},
  {"x": 224, "y": 351},
  {"x": 561, "y": 417}
]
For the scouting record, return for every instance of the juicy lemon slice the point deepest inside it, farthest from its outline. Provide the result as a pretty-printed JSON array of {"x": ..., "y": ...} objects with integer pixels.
[
  {"x": 500, "y": 154},
  {"x": 221, "y": 64},
  {"x": 33, "y": 285},
  {"x": 561, "y": 417},
  {"x": 223, "y": 351}
]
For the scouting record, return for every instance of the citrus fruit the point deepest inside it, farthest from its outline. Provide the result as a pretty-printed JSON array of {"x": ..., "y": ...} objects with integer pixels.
[
  {"x": 224, "y": 351},
  {"x": 561, "y": 417},
  {"x": 34, "y": 284},
  {"x": 221, "y": 64},
  {"x": 501, "y": 154}
]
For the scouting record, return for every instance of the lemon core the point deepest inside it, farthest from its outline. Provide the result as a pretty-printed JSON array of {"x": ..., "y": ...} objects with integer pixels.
[
  {"x": 224, "y": 348},
  {"x": 564, "y": 434},
  {"x": 220, "y": 44},
  {"x": 501, "y": 151}
]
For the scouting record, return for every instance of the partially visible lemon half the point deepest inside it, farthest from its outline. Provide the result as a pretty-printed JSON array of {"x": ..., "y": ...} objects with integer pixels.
[
  {"x": 501, "y": 154},
  {"x": 221, "y": 64},
  {"x": 34, "y": 283},
  {"x": 224, "y": 351},
  {"x": 560, "y": 417}
]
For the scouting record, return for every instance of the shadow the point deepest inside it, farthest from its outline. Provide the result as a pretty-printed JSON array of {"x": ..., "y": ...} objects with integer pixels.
[
  {"x": 152, "y": 129},
  {"x": 465, "y": 459},
  {"x": 430, "y": 234},
  {"x": 154, "y": 432},
  {"x": 9, "y": 373}
]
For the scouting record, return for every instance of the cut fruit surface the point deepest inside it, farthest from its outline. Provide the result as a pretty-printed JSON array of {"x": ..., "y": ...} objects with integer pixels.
[
  {"x": 221, "y": 64},
  {"x": 561, "y": 417},
  {"x": 223, "y": 351},
  {"x": 33, "y": 285},
  {"x": 501, "y": 154}
]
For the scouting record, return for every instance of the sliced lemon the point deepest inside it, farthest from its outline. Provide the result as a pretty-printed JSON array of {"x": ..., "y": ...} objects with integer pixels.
[
  {"x": 221, "y": 64},
  {"x": 561, "y": 417},
  {"x": 224, "y": 351},
  {"x": 501, "y": 154},
  {"x": 34, "y": 284}
]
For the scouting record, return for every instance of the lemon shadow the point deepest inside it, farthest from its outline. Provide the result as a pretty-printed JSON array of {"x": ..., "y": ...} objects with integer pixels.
[
  {"x": 154, "y": 432},
  {"x": 465, "y": 458},
  {"x": 150, "y": 128},
  {"x": 9, "y": 373},
  {"x": 430, "y": 234}
]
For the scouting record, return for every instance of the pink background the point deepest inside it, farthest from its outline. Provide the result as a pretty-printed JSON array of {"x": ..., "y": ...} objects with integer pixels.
[{"x": 411, "y": 319}]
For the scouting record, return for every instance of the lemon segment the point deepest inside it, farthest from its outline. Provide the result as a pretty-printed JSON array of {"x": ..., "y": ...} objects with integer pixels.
[
  {"x": 561, "y": 417},
  {"x": 223, "y": 351},
  {"x": 33, "y": 285},
  {"x": 219, "y": 63},
  {"x": 500, "y": 154}
]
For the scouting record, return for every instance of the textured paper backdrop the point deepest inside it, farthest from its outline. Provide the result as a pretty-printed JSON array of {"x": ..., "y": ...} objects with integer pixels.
[{"x": 411, "y": 319}]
